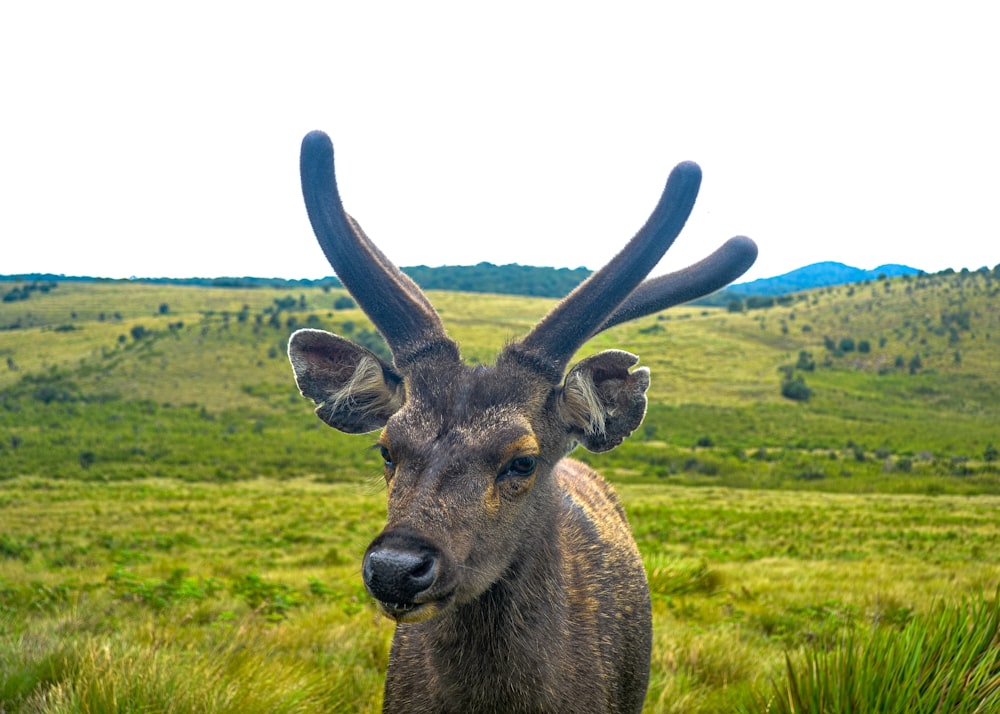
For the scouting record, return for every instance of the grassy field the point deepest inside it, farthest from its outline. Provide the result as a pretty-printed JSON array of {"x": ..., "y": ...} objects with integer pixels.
[
  {"x": 247, "y": 596},
  {"x": 179, "y": 533}
]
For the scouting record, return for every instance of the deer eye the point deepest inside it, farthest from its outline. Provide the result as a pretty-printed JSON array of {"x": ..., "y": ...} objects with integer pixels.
[
  {"x": 521, "y": 467},
  {"x": 386, "y": 456}
]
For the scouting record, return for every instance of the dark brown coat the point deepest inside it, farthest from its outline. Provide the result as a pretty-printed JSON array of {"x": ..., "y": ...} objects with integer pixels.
[{"x": 510, "y": 570}]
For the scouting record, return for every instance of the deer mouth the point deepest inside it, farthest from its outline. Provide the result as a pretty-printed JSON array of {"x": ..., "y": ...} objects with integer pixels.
[
  {"x": 406, "y": 576},
  {"x": 412, "y": 612}
]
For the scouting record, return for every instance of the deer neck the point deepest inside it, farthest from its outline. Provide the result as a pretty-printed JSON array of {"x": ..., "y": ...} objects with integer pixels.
[{"x": 503, "y": 627}]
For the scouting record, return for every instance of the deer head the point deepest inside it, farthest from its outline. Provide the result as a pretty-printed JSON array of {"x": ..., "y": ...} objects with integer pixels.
[{"x": 469, "y": 451}]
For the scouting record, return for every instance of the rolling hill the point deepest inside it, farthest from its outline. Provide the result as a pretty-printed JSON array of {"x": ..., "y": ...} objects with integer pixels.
[
  {"x": 887, "y": 385},
  {"x": 178, "y": 531},
  {"x": 514, "y": 279},
  {"x": 818, "y": 275}
]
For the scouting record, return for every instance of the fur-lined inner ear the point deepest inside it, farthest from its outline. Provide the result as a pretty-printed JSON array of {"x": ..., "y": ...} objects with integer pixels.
[
  {"x": 602, "y": 401},
  {"x": 353, "y": 389},
  {"x": 582, "y": 407}
]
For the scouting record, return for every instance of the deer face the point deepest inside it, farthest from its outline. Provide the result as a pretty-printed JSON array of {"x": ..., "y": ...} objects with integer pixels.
[
  {"x": 469, "y": 451},
  {"x": 468, "y": 460}
]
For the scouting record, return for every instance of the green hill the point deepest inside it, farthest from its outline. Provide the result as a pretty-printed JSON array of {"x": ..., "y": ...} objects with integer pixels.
[
  {"x": 886, "y": 385},
  {"x": 179, "y": 532},
  {"x": 510, "y": 279}
]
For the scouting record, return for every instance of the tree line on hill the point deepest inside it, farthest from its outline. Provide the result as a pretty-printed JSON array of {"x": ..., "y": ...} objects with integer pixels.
[
  {"x": 515, "y": 279},
  {"x": 511, "y": 279}
]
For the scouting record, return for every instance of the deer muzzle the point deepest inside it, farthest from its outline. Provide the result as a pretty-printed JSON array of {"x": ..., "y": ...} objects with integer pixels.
[{"x": 404, "y": 575}]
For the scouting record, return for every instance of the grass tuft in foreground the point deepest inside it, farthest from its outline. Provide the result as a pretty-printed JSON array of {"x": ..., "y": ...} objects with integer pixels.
[
  {"x": 945, "y": 661},
  {"x": 248, "y": 669}
]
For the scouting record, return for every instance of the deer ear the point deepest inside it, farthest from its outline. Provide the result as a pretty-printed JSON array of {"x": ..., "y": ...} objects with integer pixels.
[
  {"x": 602, "y": 402},
  {"x": 354, "y": 390}
]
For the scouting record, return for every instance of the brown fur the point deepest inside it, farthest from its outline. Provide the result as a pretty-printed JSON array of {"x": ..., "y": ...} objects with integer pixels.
[
  {"x": 566, "y": 629},
  {"x": 540, "y": 604},
  {"x": 510, "y": 570}
]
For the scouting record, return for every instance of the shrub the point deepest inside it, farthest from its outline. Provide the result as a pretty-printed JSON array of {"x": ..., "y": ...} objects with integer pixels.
[
  {"x": 810, "y": 475},
  {"x": 796, "y": 389},
  {"x": 758, "y": 302},
  {"x": 705, "y": 468},
  {"x": 806, "y": 362}
]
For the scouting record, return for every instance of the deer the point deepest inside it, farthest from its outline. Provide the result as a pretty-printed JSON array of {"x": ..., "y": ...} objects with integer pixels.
[{"x": 509, "y": 568}]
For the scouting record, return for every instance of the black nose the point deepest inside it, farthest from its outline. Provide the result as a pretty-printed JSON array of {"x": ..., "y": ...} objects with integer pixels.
[{"x": 398, "y": 576}]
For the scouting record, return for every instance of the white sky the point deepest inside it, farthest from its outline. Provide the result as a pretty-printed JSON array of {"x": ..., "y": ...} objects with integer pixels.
[{"x": 162, "y": 140}]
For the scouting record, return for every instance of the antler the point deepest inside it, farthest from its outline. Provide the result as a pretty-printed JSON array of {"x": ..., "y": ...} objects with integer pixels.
[
  {"x": 729, "y": 262},
  {"x": 616, "y": 292},
  {"x": 395, "y": 304}
]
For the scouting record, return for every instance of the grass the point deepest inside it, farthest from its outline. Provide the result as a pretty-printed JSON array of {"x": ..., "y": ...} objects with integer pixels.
[
  {"x": 947, "y": 661},
  {"x": 245, "y": 672},
  {"x": 200, "y": 592},
  {"x": 183, "y": 597},
  {"x": 179, "y": 533},
  {"x": 186, "y": 382}
]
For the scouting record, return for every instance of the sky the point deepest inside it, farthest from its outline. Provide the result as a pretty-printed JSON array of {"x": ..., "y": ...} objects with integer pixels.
[{"x": 162, "y": 140}]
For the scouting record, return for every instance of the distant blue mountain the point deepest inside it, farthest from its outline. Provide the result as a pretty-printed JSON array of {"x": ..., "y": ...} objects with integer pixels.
[{"x": 817, "y": 275}]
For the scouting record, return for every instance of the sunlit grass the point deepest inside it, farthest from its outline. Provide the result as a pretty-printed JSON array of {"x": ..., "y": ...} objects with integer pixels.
[
  {"x": 947, "y": 660},
  {"x": 247, "y": 666},
  {"x": 179, "y": 533},
  {"x": 200, "y": 592}
]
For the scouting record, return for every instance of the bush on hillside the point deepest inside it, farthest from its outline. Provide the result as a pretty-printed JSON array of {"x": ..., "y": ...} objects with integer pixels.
[{"x": 796, "y": 389}]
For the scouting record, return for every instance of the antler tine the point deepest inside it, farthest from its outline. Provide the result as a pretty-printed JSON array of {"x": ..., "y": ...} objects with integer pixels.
[
  {"x": 552, "y": 342},
  {"x": 397, "y": 307},
  {"x": 729, "y": 262}
]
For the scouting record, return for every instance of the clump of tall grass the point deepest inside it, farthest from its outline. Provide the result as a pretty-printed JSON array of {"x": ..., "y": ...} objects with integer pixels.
[
  {"x": 669, "y": 576},
  {"x": 945, "y": 661},
  {"x": 253, "y": 669}
]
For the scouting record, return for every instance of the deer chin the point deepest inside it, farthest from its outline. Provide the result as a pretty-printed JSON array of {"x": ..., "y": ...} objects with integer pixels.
[{"x": 414, "y": 612}]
